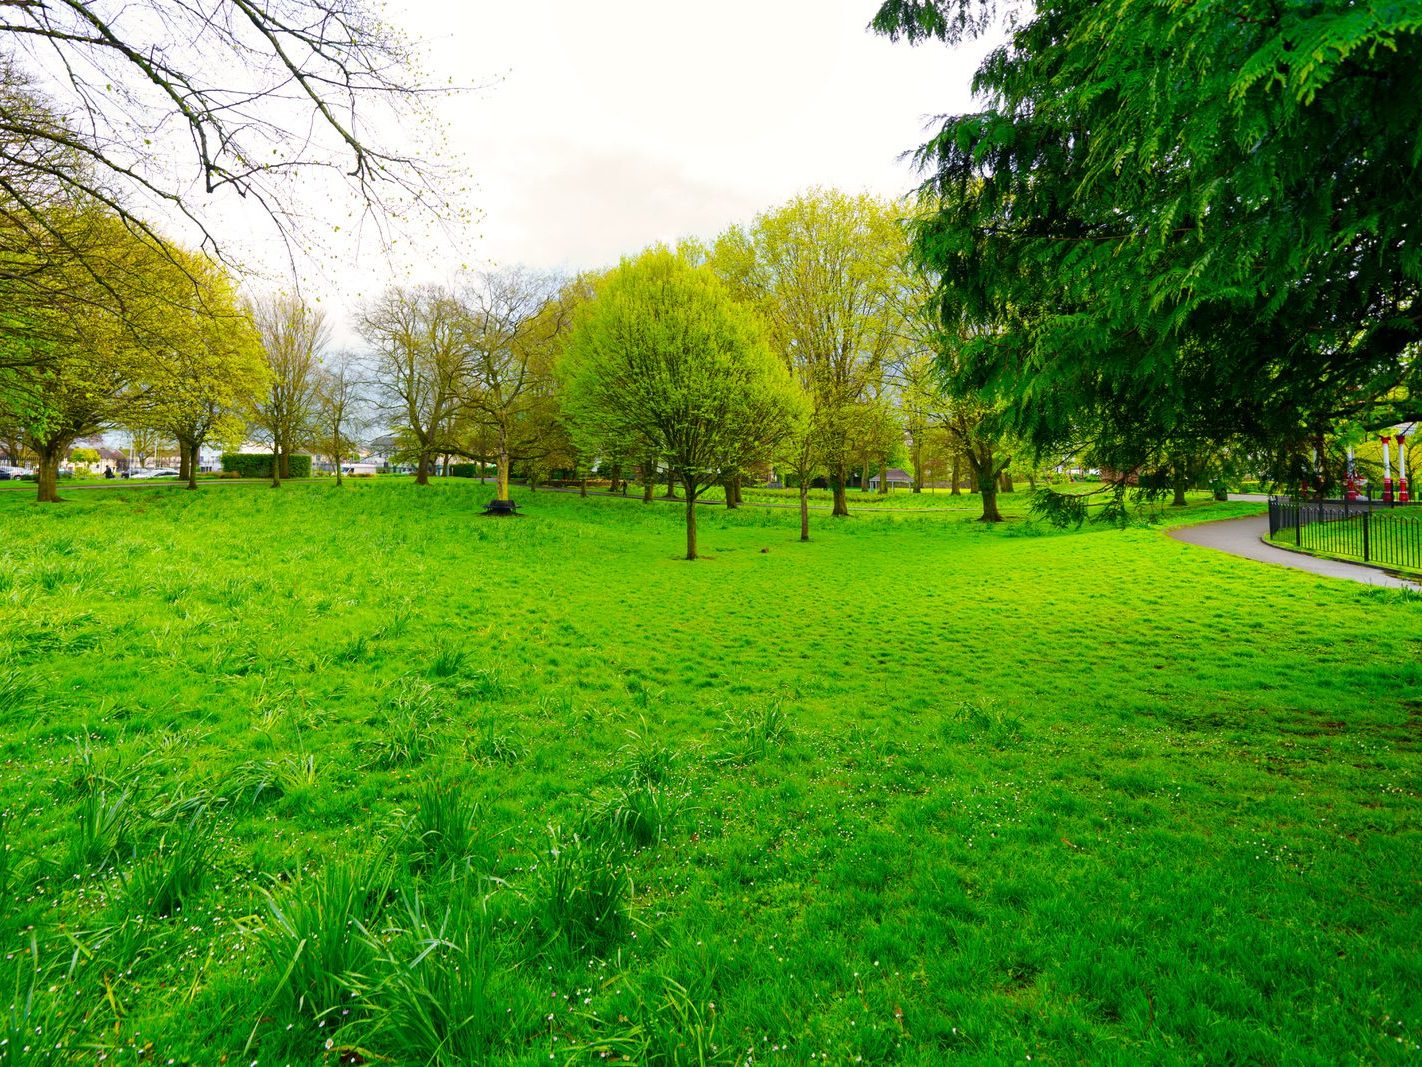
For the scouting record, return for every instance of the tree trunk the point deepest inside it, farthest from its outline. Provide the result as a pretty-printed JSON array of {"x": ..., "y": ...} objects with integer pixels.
[
  {"x": 1032, "y": 480},
  {"x": 1004, "y": 481},
  {"x": 190, "y": 453},
  {"x": 841, "y": 501},
  {"x": 422, "y": 470},
  {"x": 957, "y": 476},
  {"x": 990, "y": 512},
  {"x": 184, "y": 471},
  {"x": 1178, "y": 482},
  {"x": 729, "y": 484},
  {"x": 49, "y": 472},
  {"x": 340, "y": 472},
  {"x": 986, "y": 476},
  {"x": 501, "y": 476},
  {"x": 286, "y": 463},
  {"x": 583, "y": 486},
  {"x": 617, "y": 477},
  {"x": 883, "y": 475},
  {"x": 671, "y": 487},
  {"x": 864, "y": 475},
  {"x": 690, "y": 522},
  {"x": 804, "y": 509},
  {"x": 276, "y": 467}
]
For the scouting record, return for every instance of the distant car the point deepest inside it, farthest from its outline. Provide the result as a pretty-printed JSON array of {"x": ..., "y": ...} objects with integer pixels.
[
  {"x": 153, "y": 472},
  {"x": 7, "y": 473}
]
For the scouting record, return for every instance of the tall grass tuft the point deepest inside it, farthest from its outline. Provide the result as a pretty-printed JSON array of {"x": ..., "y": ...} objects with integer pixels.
[
  {"x": 165, "y": 879},
  {"x": 17, "y": 691},
  {"x": 581, "y": 894},
  {"x": 675, "y": 1030},
  {"x": 31, "y": 1027},
  {"x": 445, "y": 832},
  {"x": 448, "y": 663},
  {"x": 487, "y": 743},
  {"x": 755, "y": 732},
  {"x": 410, "y": 717},
  {"x": 484, "y": 684},
  {"x": 316, "y": 934},
  {"x": 639, "y": 813},
  {"x": 257, "y": 781},
  {"x": 438, "y": 1000},
  {"x": 103, "y": 832}
]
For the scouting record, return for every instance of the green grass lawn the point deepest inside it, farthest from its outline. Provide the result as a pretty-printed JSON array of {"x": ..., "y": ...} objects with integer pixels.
[{"x": 359, "y": 776}]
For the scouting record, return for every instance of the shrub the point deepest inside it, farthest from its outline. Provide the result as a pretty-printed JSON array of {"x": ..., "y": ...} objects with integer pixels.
[
  {"x": 259, "y": 465},
  {"x": 464, "y": 470}
]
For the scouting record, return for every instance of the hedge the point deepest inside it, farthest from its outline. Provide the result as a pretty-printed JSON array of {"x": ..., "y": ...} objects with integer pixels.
[
  {"x": 464, "y": 470},
  {"x": 259, "y": 465}
]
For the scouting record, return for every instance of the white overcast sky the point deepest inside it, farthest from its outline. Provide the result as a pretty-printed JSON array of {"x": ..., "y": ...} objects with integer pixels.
[
  {"x": 601, "y": 128},
  {"x": 618, "y": 124}
]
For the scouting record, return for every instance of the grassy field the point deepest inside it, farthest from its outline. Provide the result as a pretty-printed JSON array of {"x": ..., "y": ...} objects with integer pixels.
[{"x": 358, "y": 776}]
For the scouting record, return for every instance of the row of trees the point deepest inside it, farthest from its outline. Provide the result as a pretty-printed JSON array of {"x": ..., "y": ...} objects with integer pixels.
[
  {"x": 503, "y": 369},
  {"x": 498, "y": 368}
]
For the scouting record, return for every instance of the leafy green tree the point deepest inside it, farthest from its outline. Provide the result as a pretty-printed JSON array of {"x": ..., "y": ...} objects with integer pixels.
[
  {"x": 96, "y": 357},
  {"x": 1180, "y": 222},
  {"x": 293, "y": 335},
  {"x": 664, "y": 354},
  {"x": 208, "y": 380},
  {"x": 84, "y": 457},
  {"x": 822, "y": 271},
  {"x": 339, "y": 414}
]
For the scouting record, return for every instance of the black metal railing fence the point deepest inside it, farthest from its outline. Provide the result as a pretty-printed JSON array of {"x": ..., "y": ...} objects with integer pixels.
[{"x": 1360, "y": 530}]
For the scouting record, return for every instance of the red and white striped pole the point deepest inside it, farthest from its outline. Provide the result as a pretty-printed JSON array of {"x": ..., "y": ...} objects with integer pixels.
[
  {"x": 1402, "y": 468},
  {"x": 1351, "y": 481},
  {"x": 1387, "y": 472}
]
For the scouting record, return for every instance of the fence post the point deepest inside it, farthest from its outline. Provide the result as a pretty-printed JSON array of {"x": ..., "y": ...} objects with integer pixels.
[
  {"x": 1366, "y": 516},
  {"x": 1298, "y": 525}
]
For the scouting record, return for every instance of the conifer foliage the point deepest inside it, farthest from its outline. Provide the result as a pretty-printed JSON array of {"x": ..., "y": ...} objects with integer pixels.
[{"x": 1181, "y": 221}]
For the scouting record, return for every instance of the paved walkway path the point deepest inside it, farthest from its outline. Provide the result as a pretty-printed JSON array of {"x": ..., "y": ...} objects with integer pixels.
[{"x": 1244, "y": 537}]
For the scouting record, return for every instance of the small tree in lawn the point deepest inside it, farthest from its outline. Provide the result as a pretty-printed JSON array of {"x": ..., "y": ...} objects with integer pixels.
[
  {"x": 664, "y": 354},
  {"x": 337, "y": 418}
]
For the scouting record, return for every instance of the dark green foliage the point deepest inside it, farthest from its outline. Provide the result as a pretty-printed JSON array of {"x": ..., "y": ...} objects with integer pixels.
[
  {"x": 464, "y": 470},
  {"x": 1179, "y": 225},
  {"x": 259, "y": 465}
]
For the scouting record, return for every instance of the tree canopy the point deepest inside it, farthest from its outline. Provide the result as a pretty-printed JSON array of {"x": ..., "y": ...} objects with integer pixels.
[
  {"x": 662, "y": 354},
  {"x": 1177, "y": 222}
]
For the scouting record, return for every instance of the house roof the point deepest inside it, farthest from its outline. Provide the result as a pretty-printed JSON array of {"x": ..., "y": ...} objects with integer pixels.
[{"x": 895, "y": 475}]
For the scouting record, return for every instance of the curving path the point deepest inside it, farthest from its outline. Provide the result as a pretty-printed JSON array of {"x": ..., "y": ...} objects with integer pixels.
[{"x": 1245, "y": 537}]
